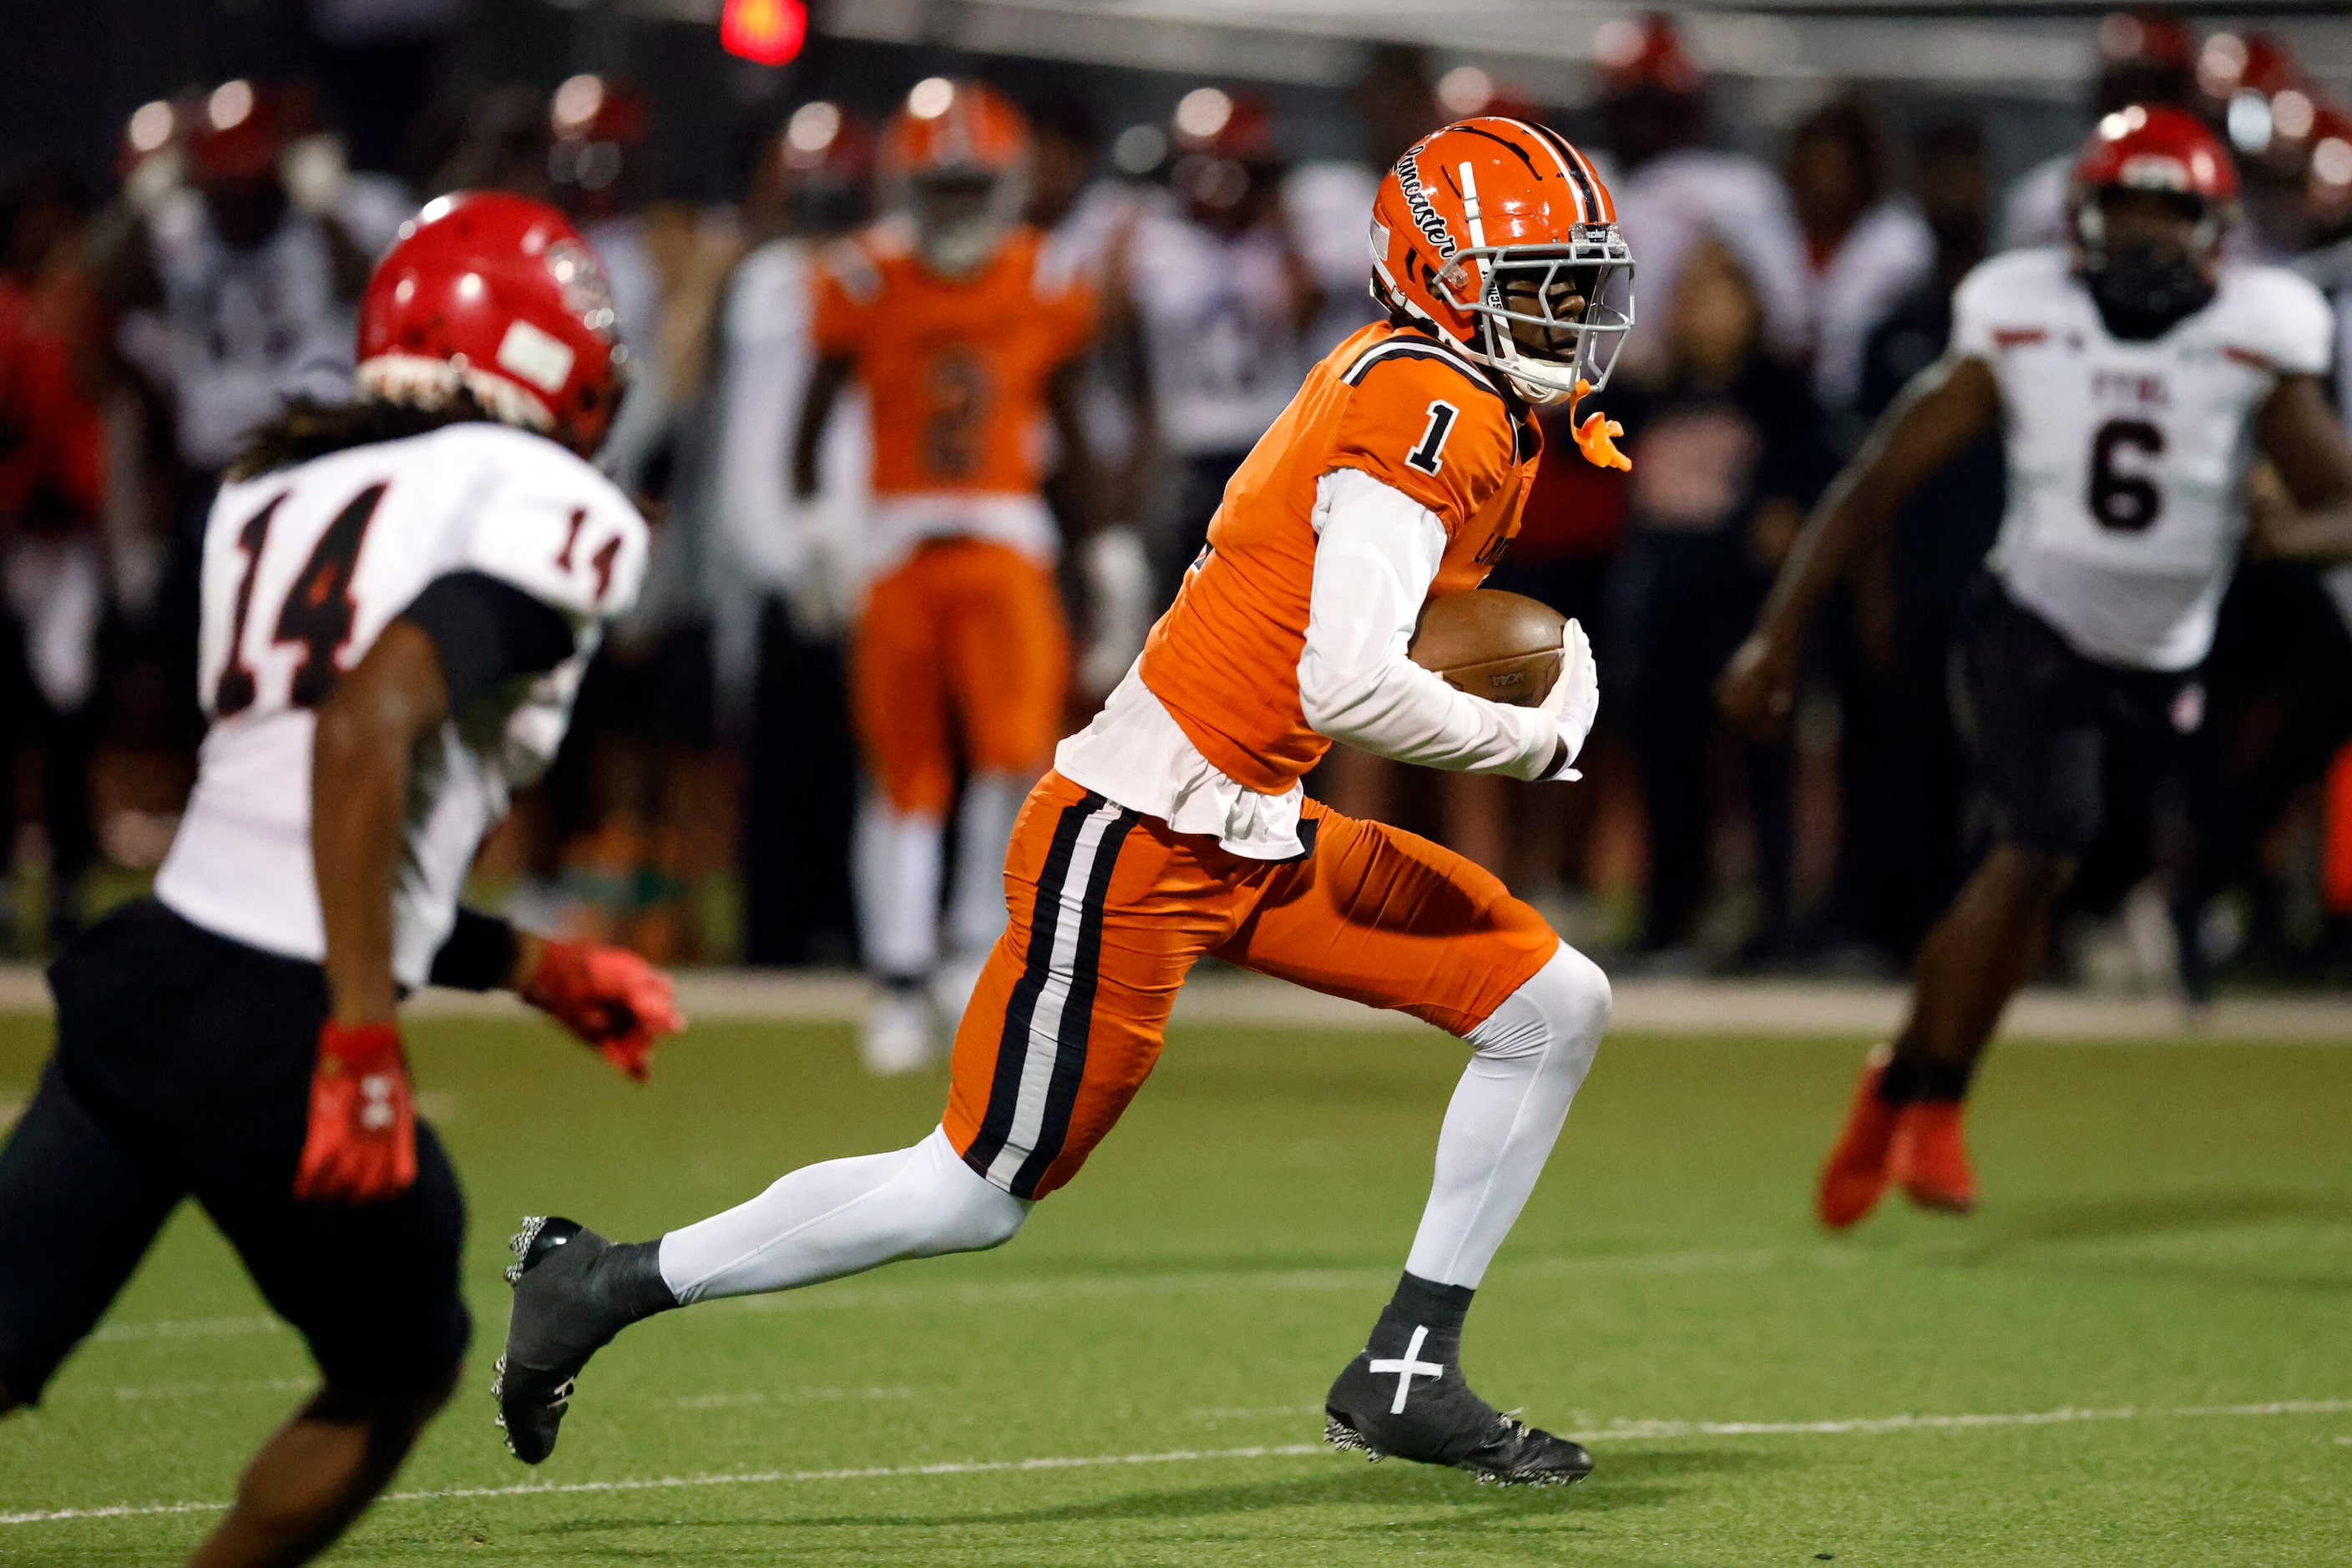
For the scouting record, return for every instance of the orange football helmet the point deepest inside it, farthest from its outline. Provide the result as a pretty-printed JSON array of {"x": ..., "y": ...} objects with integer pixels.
[
  {"x": 1497, "y": 235},
  {"x": 956, "y": 158}
]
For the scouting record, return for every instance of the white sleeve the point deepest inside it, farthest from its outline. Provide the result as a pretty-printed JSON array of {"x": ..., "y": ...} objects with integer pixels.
[
  {"x": 1378, "y": 551},
  {"x": 2288, "y": 321},
  {"x": 1972, "y": 310},
  {"x": 554, "y": 527},
  {"x": 1748, "y": 208}
]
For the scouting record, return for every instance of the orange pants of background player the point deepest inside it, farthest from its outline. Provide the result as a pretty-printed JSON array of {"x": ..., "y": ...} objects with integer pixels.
[
  {"x": 1110, "y": 910},
  {"x": 966, "y": 637}
]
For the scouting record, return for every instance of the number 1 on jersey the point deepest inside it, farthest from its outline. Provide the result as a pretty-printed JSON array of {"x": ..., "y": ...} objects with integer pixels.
[
  {"x": 1428, "y": 457},
  {"x": 236, "y": 689}
]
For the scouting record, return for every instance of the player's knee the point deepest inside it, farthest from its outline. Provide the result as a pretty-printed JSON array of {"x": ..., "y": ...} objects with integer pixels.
[
  {"x": 392, "y": 1414},
  {"x": 969, "y": 1213},
  {"x": 2038, "y": 873},
  {"x": 1584, "y": 993},
  {"x": 1565, "y": 1005}
]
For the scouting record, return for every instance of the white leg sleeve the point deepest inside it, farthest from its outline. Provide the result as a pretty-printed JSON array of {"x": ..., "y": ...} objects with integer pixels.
[
  {"x": 895, "y": 860},
  {"x": 1527, "y": 1063},
  {"x": 843, "y": 1216},
  {"x": 983, "y": 830}
]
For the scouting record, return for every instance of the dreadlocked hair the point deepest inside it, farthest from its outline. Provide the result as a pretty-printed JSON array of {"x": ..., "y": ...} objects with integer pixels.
[{"x": 309, "y": 428}]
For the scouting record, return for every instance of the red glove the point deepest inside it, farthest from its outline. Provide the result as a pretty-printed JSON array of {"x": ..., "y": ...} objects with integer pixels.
[
  {"x": 608, "y": 996},
  {"x": 362, "y": 1147}
]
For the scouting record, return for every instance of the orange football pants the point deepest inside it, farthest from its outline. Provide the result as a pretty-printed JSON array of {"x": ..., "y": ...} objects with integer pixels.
[
  {"x": 966, "y": 638},
  {"x": 1110, "y": 910}
]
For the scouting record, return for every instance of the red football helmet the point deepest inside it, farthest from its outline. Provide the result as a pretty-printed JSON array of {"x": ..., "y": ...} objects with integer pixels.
[
  {"x": 1225, "y": 152},
  {"x": 1491, "y": 207},
  {"x": 2155, "y": 147},
  {"x": 2148, "y": 37},
  {"x": 1634, "y": 55},
  {"x": 498, "y": 296},
  {"x": 823, "y": 141},
  {"x": 239, "y": 133}
]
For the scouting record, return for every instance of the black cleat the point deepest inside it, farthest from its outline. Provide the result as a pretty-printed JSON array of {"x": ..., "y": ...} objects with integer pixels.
[
  {"x": 1398, "y": 1406},
  {"x": 574, "y": 1290}
]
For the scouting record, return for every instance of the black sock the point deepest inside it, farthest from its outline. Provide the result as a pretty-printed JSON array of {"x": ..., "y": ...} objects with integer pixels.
[
  {"x": 1907, "y": 1080},
  {"x": 1422, "y": 1304},
  {"x": 631, "y": 1277}
]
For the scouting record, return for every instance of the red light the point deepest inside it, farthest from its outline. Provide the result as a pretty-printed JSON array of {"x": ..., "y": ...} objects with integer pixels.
[{"x": 767, "y": 32}]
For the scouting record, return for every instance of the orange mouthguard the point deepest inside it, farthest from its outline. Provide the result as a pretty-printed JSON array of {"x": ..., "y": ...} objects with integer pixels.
[{"x": 1595, "y": 436}]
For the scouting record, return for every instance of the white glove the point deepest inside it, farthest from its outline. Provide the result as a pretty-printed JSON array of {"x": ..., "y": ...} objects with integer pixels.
[
  {"x": 1118, "y": 604},
  {"x": 816, "y": 591},
  {"x": 1574, "y": 700}
]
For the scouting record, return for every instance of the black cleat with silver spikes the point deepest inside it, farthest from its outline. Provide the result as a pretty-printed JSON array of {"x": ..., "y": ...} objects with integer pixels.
[
  {"x": 574, "y": 1290},
  {"x": 1404, "y": 1397}
]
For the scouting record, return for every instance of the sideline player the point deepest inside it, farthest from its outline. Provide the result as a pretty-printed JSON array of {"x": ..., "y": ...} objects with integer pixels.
[
  {"x": 1174, "y": 828},
  {"x": 967, "y": 330},
  {"x": 399, "y": 594},
  {"x": 2133, "y": 372}
]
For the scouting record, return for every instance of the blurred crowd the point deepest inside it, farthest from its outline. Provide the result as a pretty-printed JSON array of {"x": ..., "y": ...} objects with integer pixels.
[{"x": 704, "y": 805}]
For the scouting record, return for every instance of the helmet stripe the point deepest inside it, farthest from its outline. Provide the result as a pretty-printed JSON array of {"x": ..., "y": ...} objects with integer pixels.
[
  {"x": 1575, "y": 170},
  {"x": 1470, "y": 208},
  {"x": 1474, "y": 128}
]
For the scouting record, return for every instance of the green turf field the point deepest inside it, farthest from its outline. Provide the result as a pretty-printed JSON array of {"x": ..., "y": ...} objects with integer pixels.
[{"x": 2145, "y": 1333}]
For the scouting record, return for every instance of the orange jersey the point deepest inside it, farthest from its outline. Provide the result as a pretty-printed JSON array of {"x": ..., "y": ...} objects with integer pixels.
[
  {"x": 1412, "y": 413},
  {"x": 956, "y": 368}
]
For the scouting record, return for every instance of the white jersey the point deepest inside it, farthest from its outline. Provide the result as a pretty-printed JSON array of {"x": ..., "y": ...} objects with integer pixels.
[
  {"x": 1220, "y": 329},
  {"x": 2127, "y": 460},
  {"x": 1887, "y": 255},
  {"x": 1328, "y": 205},
  {"x": 302, "y": 569},
  {"x": 764, "y": 533},
  {"x": 2034, "y": 212},
  {"x": 2331, "y": 271},
  {"x": 1673, "y": 201},
  {"x": 241, "y": 332}
]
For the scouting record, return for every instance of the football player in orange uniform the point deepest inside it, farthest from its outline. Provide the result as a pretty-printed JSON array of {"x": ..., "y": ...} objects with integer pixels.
[
  {"x": 963, "y": 326},
  {"x": 1174, "y": 827}
]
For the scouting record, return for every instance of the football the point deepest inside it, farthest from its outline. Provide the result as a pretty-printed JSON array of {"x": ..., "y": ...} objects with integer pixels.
[{"x": 1503, "y": 647}]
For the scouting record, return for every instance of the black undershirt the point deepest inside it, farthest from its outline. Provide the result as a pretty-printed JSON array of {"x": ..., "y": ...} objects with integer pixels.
[{"x": 488, "y": 633}]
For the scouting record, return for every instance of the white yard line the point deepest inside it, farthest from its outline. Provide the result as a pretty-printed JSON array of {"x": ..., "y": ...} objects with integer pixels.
[
  {"x": 996, "y": 1292},
  {"x": 743, "y": 1478},
  {"x": 1753, "y": 1008},
  {"x": 1623, "y": 1431},
  {"x": 988, "y": 1292},
  {"x": 211, "y": 1390},
  {"x": 1630, "y": 1430},
  {"x": 187, "y": 1329},
  {"x": 784, "y": 1396},
  {"x": 2300, "y": 1238}
]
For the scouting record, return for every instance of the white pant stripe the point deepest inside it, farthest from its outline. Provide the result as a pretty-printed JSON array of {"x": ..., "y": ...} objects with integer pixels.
[{"x": 1045, "y": 1022}]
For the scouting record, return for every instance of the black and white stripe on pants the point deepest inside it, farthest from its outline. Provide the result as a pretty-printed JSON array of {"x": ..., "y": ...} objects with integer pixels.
[{"x": 1042, "y": 1055}]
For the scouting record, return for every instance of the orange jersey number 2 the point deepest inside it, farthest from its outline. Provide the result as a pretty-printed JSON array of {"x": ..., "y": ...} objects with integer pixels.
[{"x": 962, "y": 392}]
